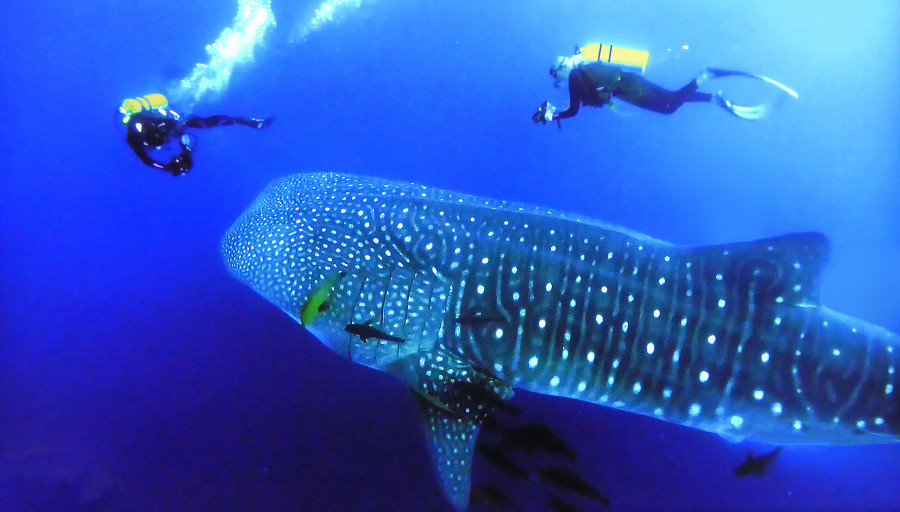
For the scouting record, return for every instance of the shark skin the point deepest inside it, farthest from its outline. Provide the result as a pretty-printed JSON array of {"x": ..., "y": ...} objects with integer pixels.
[{"x": 730, "y": 339}]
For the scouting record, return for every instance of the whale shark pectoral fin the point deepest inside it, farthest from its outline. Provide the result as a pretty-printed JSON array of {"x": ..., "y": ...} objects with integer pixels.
[
  {"x": 454, "y": 400},
  {"x": 451, "y": 444}
]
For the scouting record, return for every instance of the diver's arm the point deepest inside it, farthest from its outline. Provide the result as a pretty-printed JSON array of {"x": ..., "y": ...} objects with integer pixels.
[
  {"x": 137, "y": 145},
  {"x": 179, "y": 164},
  {"x": 219, "y": 120},
  {"x": 569, "y": 112},
  {"x": 574, "y": 97}
]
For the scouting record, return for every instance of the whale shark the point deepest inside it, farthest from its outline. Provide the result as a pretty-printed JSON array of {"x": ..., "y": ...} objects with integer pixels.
[{"x": 465, "y": 299}]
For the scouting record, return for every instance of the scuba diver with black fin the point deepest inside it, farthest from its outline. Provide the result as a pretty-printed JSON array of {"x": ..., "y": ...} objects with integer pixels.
[
  {"x": 594, "y": 80},
  {"x": 153, "y": 129}
]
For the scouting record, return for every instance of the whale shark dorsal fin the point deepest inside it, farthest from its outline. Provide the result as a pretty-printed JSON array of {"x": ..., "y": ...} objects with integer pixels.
[
  {"x": 455, "y": 397},
  {"x": 784, "y": 269}
]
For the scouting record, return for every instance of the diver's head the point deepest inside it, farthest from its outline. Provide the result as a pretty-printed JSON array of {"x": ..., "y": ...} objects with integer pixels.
[{"x": 561, "y": 69}]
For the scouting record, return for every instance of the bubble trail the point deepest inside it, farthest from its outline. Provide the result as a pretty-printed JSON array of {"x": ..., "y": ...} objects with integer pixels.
[
  {"x": 329, "y": 11},
  {"x": 234, "y": 46}
]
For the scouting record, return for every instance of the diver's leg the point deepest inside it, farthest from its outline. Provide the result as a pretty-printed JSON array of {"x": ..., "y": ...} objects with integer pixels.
[
  {"x": 690, "y": 93},
  {"x": 639, "y": 92},
  {"x": 213, "y": 121}
]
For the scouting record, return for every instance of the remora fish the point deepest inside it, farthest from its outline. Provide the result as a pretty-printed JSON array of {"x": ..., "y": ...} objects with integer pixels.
[
  {"x": 730, "y": 339},
  {"x": 366, "y": 331}
]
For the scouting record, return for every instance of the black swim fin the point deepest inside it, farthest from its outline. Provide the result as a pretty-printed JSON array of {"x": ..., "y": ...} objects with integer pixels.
[{"x": 719, "y": 73}]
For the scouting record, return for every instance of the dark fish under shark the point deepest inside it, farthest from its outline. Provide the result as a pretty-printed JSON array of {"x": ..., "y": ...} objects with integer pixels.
[
  {"x": 533, "y": 437},
  {"x": 757, "y": 466},
  {"x": 498, "y": 458},
  {"x": 567, "y": 478},
  {"x": 730, "y": 339},
  {"x": 560, "y": 505},
  {"x": 492, "y": 498}
]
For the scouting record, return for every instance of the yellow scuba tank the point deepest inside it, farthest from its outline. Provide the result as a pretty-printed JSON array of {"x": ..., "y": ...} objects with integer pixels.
[
  {"x": 615, "y": 55},
  {"x": 147, "y": 102}
]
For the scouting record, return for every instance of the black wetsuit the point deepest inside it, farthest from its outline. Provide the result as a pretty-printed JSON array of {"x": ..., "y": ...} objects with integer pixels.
[
  {"x": 150, "y": 130},
  {"x": 594, "y": 84}
]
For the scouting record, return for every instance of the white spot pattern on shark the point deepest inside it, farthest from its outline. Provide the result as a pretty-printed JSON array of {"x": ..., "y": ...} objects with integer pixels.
[{"x": 729, "y": 339}]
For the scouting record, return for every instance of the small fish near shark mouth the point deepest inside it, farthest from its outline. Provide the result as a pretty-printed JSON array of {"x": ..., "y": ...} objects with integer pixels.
[{"x": 463, "y": 299}]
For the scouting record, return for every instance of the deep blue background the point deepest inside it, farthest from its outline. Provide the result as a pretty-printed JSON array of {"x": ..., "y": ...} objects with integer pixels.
[{"x": 136, "y": 375}]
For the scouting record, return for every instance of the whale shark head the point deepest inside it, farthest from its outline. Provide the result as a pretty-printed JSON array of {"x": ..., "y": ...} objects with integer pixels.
[
  {"x": 278, "y": 248},
  {"x": 306, "y": 244},
  {"x": 347, "y": 258}
]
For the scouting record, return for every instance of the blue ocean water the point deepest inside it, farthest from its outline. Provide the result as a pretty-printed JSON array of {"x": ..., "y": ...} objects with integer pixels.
[{"x": 137, "y": 375}]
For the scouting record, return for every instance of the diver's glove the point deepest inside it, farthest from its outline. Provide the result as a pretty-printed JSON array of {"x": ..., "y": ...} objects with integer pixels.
[
  {"x": 180, "y": 163},
  {"x": 546, "y": 112}
]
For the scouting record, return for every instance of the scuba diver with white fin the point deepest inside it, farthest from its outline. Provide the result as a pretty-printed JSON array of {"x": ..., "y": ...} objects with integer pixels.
[
  {"x": 153, "y": 128},
  {"x": 595, "y": 76}
]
